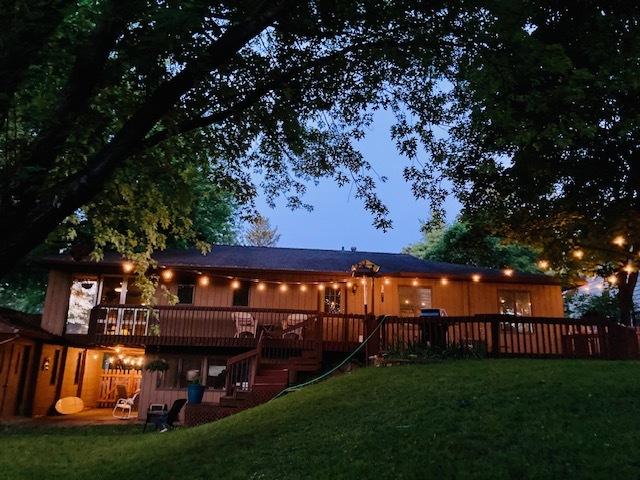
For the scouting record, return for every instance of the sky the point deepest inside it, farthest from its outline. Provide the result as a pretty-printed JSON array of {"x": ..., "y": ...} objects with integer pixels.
[{"x": 340, "y": 220}]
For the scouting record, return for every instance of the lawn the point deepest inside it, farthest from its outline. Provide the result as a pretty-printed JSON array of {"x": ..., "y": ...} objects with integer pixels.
[{"x": 511, "y": 419}]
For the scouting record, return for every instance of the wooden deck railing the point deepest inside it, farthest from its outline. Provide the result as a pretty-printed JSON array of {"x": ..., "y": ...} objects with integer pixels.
[
  {"x": 511, "y": 336},
  {"x": 219, "y": 326}
]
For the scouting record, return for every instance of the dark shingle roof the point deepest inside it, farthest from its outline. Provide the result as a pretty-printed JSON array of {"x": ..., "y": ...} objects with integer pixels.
[
  {"x": 15, "y": 323},
  {"x": 225, "y": 257}
]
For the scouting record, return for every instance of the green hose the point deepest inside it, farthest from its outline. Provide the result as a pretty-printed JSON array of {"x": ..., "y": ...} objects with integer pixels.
[{"x": 294, "y": 388}]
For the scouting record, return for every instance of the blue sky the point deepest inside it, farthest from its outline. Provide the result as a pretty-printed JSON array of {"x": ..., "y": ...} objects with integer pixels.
[{"x": 339, "y": 220}]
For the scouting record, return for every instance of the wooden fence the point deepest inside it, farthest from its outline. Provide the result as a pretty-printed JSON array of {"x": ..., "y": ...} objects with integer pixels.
[
  {"x": 107, "y": 394},
  {"x": 506, "y": 336}
]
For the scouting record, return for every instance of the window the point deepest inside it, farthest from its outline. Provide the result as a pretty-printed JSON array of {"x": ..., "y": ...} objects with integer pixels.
[
  {"x": 216, "y": 373},
  {"x": 54, "y": 369},
  {"x": 185, "y": 293},
  {"x": 241, "y": 295},
  {"x": 83, "y": 296},
  {"x": 78, "y": 374},
  {"x": 332, "y": 300},
  {"x": 514, "y": 302},
  {"x": 180, "y": 370},
  {"x": 517, "y": 303},
  {"x": 413, "y": 299}
]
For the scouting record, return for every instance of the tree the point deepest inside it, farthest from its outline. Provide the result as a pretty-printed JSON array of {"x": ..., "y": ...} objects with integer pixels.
[
  {"x": 604, "y": 305},
  {"x": 542, "y": 136},
  {"x": 105, "y": 105},
  {"x": 464, "y": 244},
  {"x": 261, "y": 234}
]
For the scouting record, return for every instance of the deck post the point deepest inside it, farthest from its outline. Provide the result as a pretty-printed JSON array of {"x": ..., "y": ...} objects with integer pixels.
[
  {"x": 495, "y": 337},
  {"x": 373, "y": 345}
]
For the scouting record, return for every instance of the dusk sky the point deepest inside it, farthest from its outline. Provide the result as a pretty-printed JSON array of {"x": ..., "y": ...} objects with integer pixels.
[{"x": 339, "y": 220}]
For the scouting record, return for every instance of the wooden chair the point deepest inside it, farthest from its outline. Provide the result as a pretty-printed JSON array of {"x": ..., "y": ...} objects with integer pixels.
[
  {"x": 166, "y": 419},
  {"x": 292, "y": 320},
  {"x": 246, "y": 325}
]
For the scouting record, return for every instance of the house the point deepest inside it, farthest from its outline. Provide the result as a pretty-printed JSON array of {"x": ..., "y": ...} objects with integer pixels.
[{"x": 248, "y": 318}]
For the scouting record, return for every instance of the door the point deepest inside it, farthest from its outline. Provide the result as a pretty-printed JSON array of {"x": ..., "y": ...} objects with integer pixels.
[{"x": 23, "y": 384}]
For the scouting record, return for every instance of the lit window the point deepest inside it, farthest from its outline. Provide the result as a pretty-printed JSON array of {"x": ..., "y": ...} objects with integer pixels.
[
  {"x": 332, "y": 300},
  {"x": 413, "y": 299},
  {"x": 514, "y": 302}
]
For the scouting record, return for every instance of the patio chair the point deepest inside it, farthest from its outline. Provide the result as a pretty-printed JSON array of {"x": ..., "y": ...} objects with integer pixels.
[
  {"x": 166, "y": 420},
  {"x": 246, "y": 325},
  {"x": 125, "y": 405},
  {"x": 292, "y": 320}
]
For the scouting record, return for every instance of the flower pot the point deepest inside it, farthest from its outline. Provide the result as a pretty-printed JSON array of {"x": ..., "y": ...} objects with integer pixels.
[{"x": 195, "y": 393}]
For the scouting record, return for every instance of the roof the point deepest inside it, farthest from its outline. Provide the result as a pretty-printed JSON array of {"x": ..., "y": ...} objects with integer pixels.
[
  {"x": 337, "y": 262},
  {"x": 19, "y": 324}
]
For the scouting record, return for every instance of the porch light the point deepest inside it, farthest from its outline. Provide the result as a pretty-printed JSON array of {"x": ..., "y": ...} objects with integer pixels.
[
  {"x": 204, "y": 281},
  {"x": 476, "y": 277},
  {"x": 543, "y": 264},
  {"x": 167, "y": 275},
  {"x": 444, "y": 281},
  {"x": 283, "y": 287},
  {"x": 619, "y": 240},
  {"x": 235, "y": 284},
  {"x": 508, "y": 272},
  {"x": 127, "y": 266},
  {"x": 261, "y": 286},
  {"x": 578, "y": 254}
]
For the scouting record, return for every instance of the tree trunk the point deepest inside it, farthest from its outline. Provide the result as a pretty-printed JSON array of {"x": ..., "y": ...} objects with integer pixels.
[{"x": 626, "y": 287}]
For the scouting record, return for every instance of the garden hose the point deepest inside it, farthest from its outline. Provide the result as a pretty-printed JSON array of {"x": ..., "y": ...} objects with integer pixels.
[{"x": 294, "y": 388}]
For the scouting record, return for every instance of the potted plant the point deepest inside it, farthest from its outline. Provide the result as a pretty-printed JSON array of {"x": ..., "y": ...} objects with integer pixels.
[{"x": 195, "y": 390}]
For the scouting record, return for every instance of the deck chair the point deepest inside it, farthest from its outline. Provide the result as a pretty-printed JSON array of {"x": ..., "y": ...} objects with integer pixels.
[
  {"x": 292, "y": 320},
  {"x": 125, "y": 405},
  {"x": 246, "y": 325},
  {"x": 165, "y": 421}
]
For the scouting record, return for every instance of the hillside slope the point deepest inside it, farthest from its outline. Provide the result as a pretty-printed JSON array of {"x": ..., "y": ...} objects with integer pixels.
[{"x": 461, "y": 419}]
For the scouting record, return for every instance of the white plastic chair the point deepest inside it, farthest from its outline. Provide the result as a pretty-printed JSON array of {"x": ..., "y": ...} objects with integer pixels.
[
  {"x": 246, "y": 325},
  {"x": 125, "y": 406},
  {"x": 294, "y": 319}
]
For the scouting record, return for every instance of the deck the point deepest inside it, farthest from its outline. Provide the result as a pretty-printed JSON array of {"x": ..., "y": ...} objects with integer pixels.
[{"x": 226, "y": 327}]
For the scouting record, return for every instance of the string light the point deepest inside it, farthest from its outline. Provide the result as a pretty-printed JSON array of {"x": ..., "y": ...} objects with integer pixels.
[
  {"x": 303, "y": 288},
  {"x": 612, "y": 279},
  {"x": 235, "y": 284},
  {"x": 508, "y": 272},
  {"x": 363, "y": 281},
  {"x": 578, "y": 254},
  {"x": 415, "y": 282},
  {"x": 476, "y": 277},
  {"x": 320, "y": 286},
  {"x": 203, "y": 281},
  {"x": 349, "y": 284},
  {"x": 444, "y": 281},
  {"x": 261, "y": 286},
  {"x": 629, "y": 268},
  {"x": 127, "y": 266},
  {"x": 334, "y": 286},
  {"x": 543, "y": 264},
  {"x": 167, "y": 275},
  {"x": 283, "y": 287},
  {"x": 619, "y": 241},
  {"x": 387, "y": 281}
]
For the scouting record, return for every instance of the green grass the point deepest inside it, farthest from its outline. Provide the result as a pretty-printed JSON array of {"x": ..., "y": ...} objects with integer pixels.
[{"x": 503, "y": 419}]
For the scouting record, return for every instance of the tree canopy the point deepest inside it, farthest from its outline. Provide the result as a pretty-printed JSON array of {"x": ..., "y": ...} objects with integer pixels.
[
  {"x": 468, "y": 245},
  {"x": 113, "y": 107},
  {"x": 542, "y": 133}
]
